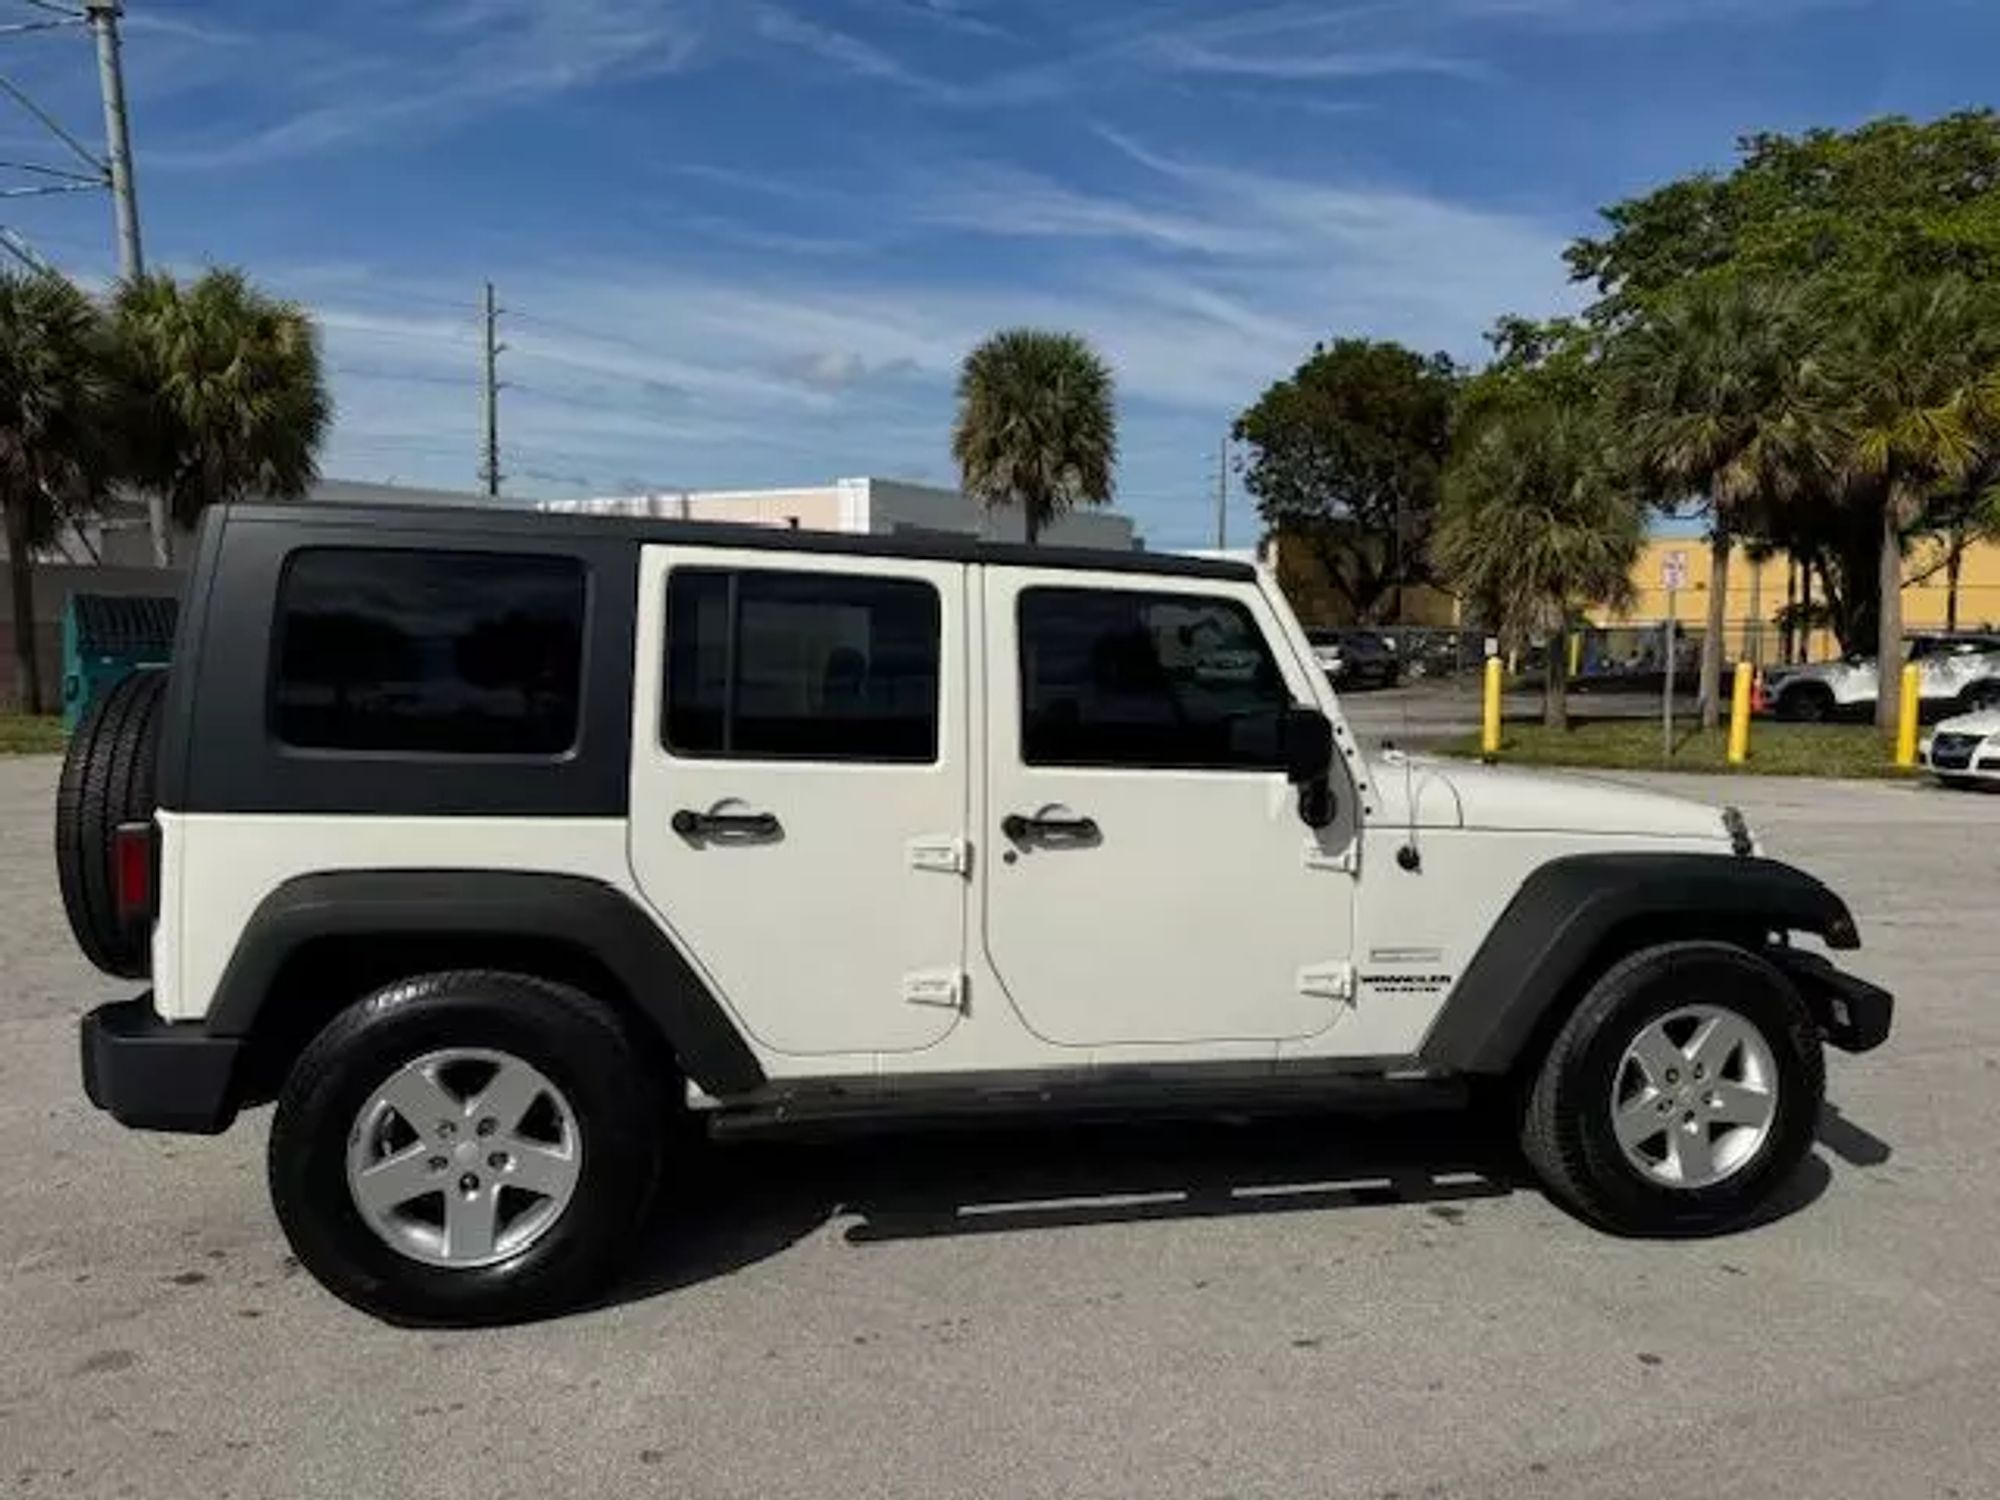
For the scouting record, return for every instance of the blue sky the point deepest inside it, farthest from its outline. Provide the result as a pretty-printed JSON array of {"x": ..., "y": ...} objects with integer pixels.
[{"x": 745, "y": 243}]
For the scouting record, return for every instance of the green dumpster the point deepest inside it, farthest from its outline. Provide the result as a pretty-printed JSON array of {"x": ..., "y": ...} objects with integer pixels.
[{"x": 106, "y": 636}]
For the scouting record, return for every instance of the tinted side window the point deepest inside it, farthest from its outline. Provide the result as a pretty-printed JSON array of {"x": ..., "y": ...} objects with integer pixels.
[
  {"x": 801, "y": 666},
  {"x": 1119, "y": 678},
  {"x": 433, "y": 652}
]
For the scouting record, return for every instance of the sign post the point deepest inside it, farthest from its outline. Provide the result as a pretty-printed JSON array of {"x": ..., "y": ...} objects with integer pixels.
[{"x": 1673, "y": 578}]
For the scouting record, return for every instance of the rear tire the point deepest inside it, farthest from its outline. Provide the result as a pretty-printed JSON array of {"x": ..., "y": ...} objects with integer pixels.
[
  {"x": 592, "y": 1080},
  {"x": 108, "y": 778},
  {"x": 1590, "y": 1088},
  {"x": 1806, "y": 704}
]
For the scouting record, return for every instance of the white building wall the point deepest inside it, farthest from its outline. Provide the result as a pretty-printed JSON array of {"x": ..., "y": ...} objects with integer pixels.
[{"x": 880, "y": 506}]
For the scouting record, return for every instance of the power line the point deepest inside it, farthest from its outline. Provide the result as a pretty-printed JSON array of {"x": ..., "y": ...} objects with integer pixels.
[{"x": 55, "y": 128}]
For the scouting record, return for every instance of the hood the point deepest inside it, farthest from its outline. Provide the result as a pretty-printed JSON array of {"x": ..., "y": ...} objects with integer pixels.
[
  {"x": 1463, "y": 794},
  {"x": 1983, "y": 723}
]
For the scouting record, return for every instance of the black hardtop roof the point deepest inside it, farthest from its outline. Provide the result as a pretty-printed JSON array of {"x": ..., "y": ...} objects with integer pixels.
[{"x": 435, "y": 524}]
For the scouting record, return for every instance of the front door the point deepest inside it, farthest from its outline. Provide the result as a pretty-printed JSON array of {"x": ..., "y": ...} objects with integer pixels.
[
  {"x": 1152, "y": 881},
  {"x": 799, "y": 787}
]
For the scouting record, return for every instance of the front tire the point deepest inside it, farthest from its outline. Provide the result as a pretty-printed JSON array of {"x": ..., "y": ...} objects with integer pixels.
[
  {"x": 466, "y": 1148},
  {"x": 1680, "y": 1095}
]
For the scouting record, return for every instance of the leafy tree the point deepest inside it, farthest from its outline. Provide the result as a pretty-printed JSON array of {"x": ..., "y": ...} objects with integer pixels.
[
  {"x": 1860, "y": 216},
  {"x": 1537, "y": 519},
  {"x": 53, "y": 458},
  {"x": 1917, "y": 374},
  {"x": 1717, "y": 394},
  {"x": 1890, "y": 200},
  {"x": 223, "y": 389},
  {"x": 1348, "y": 456},
  {"x": 1036, "y": 427}
]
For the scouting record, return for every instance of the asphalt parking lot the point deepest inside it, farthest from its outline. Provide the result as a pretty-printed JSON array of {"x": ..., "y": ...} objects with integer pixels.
[{"x": 1313, "y": 1308}]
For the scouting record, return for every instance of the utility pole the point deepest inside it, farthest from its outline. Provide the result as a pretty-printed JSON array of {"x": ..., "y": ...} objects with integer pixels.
[
  {"x": 103, "y": 18},
  {"x": 490, "y": 471},
  {"x": 1222, "y": 495}
]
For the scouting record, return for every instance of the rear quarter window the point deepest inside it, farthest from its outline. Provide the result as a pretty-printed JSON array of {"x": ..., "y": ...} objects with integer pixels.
[{"x": 429, "y": 652}]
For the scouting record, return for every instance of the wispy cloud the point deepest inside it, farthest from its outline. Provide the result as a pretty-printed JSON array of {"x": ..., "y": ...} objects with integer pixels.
[
  {"x": 1200, "y": 288},
  {"x": 1188, "y": 56},
  {"x": 441, "y": 66},
  {"x": 953, "y": 15},
  {"x": 1304, "y": 43},
  {"x": 840, "y": 48},
  {"x": 1010, "y": 203}
]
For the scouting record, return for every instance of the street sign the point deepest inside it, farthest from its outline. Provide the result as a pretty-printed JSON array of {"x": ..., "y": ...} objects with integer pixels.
[{"x": 1673, "y": 578}]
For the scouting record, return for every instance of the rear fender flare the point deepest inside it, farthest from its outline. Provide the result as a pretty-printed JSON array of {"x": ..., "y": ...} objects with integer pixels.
[{"x": 574, "y": 911}]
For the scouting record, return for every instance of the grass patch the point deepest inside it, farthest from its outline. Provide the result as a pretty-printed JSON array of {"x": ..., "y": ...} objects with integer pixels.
[
  {"x": 1844, "y": 750},
  {"x": 31, "y": 734}
]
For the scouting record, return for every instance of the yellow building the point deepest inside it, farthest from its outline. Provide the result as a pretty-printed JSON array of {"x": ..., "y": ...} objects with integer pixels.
[{"x": 1757, "y": 594}]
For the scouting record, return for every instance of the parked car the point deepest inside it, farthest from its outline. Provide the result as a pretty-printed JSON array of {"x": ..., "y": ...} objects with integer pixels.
[
  {"x": 723, "y": 827},
  {"x": 1964, "y": 751},
  {"x": 1954, "y": 671},
  {"x": 1356, "y": 658}
]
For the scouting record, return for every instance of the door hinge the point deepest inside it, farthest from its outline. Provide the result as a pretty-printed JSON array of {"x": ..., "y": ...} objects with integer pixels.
[
  {"x": 943, "y": 988},
  {"x": 1346, "y": 860},
  {"x": 949, "y": 854},
  {"x": 1327, "y": 981}
]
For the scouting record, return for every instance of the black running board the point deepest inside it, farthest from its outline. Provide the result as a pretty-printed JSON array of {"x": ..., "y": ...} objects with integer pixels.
[{"x": 1134, "y": 1092}]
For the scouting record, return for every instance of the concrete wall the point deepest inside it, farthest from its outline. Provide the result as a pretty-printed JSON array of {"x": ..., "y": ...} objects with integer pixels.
[
  {"x": 895, "y": 504},
  {"x": 882, "y": 506},
  {"x": 814, "y": 509}
]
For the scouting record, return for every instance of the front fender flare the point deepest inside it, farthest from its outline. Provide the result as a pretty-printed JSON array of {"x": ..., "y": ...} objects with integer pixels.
[{"x": 1560, "y": 920}]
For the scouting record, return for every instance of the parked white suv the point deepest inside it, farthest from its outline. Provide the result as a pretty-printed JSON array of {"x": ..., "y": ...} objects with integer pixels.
[
  {"x": 482, "y": 841},
  {"x": 1952, "y": 671}
]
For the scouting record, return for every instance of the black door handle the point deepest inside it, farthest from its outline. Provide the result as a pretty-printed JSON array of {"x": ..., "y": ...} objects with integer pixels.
[
  {"x": 1021, "y": 828},
  {"x": 690, "y": 824}
]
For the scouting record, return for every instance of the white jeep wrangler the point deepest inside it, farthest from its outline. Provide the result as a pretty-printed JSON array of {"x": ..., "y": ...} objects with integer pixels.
[{"x": 487, "y": 844}]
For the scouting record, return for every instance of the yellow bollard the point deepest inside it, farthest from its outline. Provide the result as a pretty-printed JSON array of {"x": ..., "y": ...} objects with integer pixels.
[
  {"x": 1489, "y": 728},
  {"x": 1575, "y": 654},
  {"x": 1739, "y": 714},
  {"x": 1906, "y": 718}
]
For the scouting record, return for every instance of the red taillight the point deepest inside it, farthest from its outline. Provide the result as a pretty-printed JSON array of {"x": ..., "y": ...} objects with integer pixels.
[{"x": 132, "y": 859}]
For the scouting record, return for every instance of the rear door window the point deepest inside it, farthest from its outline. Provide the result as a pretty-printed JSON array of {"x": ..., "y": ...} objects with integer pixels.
[{"x": 801, "y": 666}]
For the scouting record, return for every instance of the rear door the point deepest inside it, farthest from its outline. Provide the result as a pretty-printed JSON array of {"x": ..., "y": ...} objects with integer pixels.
[
  {"x": 799, "y": 788},
  {"x": 1153, "y": 882}
]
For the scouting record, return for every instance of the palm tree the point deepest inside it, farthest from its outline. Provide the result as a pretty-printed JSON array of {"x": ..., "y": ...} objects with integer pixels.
[
  {"x": 1536, "y": 523},
  {"x": 53, "y": 462},
  {"x": 1716, "y": 392},
  {"x": 1918, "y": 379},
  {"x": 1036, "y": 427},
  {"x": 225, "y": 393},
  {"x": 1968, "y": 512}
]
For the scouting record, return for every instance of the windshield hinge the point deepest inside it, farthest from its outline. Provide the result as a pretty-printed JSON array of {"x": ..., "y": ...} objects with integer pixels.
[{"x": 1333, "y": 981}]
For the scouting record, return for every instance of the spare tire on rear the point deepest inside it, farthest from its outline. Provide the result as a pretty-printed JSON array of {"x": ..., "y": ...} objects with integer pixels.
[{"x": 108, "y": 778}]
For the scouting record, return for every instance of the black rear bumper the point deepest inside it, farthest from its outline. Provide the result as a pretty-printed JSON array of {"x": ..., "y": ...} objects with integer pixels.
[
  {"x": 1853, "y": 1014},
  {"x": 158, "y": 1075}
]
